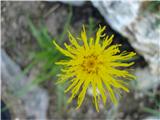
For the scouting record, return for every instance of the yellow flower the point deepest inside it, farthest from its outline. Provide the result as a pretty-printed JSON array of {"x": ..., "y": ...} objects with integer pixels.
[{"x": 92, "y": 62}]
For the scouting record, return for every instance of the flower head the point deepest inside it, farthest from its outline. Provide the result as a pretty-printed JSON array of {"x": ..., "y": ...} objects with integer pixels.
[{"x": 94, "y": 62}]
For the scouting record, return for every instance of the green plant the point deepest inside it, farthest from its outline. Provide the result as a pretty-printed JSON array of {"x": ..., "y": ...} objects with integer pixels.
[
  {"x": 47, "y": 55},
  {"x": 154, "y": 111},
  {"x": 153, "y": 6},
  {"x": 91, "y": 26}
]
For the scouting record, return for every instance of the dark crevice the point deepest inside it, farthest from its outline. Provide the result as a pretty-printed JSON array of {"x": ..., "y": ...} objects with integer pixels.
[{"x": 5, "y": 113}]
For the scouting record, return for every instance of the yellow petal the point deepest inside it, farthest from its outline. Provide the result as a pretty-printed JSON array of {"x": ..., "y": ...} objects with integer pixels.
[
  {"x": 66, "y": 53},
  {"x": 107, "y": 41},
  {"x": 101, "y": 90},
  {"x": 75, "y": 81},
  {"x": 75, "y": 90},
  {"x": 91, "y": 41},
  {"x": 111, "y": 93},
  {"x": 98, "y": 34},
  {"x": 84, "y": 37},
  {"x": 95, "y": 94},
  {"x": 73, "y": 40},
  {"x": 82, "y": 93}
]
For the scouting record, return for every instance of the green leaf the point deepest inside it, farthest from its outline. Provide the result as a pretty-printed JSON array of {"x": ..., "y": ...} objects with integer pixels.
[{"x": 151, "y": 111}]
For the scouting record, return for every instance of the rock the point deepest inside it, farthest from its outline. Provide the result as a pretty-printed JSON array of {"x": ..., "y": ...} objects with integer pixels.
[
  {"x": 34, "y": 102},
  {"x": 76, "y": 3},
  {"x": 118, "y": 13},
  {"x": 146, "y": 40},
  {"x": 152, "y": 118},
  {"x": 146, "y": 80}
]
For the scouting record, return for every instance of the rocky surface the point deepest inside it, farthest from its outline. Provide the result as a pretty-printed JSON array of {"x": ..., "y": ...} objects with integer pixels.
[
  {"x": 151, "y": 118},
  {"x": 146, "y": 80},
  {"x": 118, "y": 14},
  {"x": 33, "y": 102}
]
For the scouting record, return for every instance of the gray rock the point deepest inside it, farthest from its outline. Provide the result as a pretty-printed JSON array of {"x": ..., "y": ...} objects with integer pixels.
[
  {"x": 146, "y": 80},
  {"x": 152, "y": 118},
  {"x": 146, "y": 40},
  {"x": 118, "y": 13},
  {"x": 33, "y": 101},
  {"x": 74, "y": 2}
]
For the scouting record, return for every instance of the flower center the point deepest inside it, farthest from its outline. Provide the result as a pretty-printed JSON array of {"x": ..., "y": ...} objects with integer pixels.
[{"x": 90, "y": 64}]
